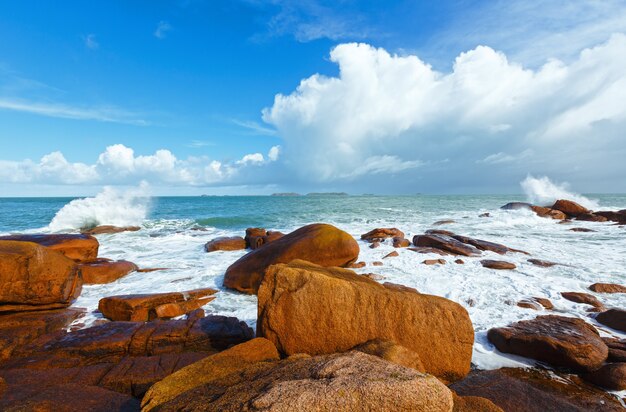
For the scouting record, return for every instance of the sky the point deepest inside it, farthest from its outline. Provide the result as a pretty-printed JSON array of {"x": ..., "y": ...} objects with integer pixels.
[{"x": 256, "y": 97}]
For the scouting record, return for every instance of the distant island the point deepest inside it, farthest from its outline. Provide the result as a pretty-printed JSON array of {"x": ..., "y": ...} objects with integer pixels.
[
  {"x": 328, "y": 194},
  {"x": 286, "y": 194}
]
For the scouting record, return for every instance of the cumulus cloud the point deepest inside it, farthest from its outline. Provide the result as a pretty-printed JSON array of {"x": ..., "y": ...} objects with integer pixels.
[
  {"x": 384, "y": 106},
  {"x": 119, "y": 164}
]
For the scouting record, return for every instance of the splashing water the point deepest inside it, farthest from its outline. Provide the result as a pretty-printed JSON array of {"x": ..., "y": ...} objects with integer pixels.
[
  {"x": 542, "y": 191},
  {"x": 109, "y": 207}
]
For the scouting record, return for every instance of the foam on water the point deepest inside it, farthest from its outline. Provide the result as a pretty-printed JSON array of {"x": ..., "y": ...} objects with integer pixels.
[
  {"x": 109, "y": 207},
  {"x": 542, "y": 191}
]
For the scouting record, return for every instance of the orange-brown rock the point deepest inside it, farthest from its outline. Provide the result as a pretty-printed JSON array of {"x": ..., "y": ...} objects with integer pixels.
[
  {"x": 374, "y": 245},
  {"x": 108, "y": 229},
  {"x": 401, "y": 242},
  {"x": 381, "y": 234},
  {"x": 317, "y": 243},
  {"x": 473, "y": 404},
  {"x": 617, "y": 349},
  {"x": 105, "y": 271},
  {"x": 585, "y": 298},
  {"x": 434, "y": 262},
  {"x": 607, "y": 288},
  {"x": 497, "y": 264},
  {"x": 440, "y": 232},
  {"x": 610, "y": 376},
  {"x": 613, "y": 318},
  {"x": 33, "y": 277},
  {"x": 485, "y": 245},
  {"x": 358, "y": 265},
  {"x": 208, "y": 369},
  {"x": 557, "y": 340},
  {"x": 536, "y": 304},
  {"x": 346, "y": 309},
  {"x": 80, "y": 248},
  {"x": 377, "y": 263},
  {"x": 570, "y": 208},
  {"x": 542, "y": 263},
  {"x": 546, "y": 303},
  {"x": 423, "y": 249},
  {"x": 534, "y": 390},
  {"x": 444, "y": 222},
  {"x": 459, "y": 262},
  {"x": 446, "y": 243},
  {"x": 253, "y": 234},
  {"x": 581, "y": 229},
  {"x": 225, "y": 243},
  {"x": 391, "y": 254},
  {"x": 341, "y": 382},
  {"x": 142, "y": 308},
  {"x": 392, "y": 352},
  {"x": 591, "y": 217},
  {"x": 547, "y": 212}
]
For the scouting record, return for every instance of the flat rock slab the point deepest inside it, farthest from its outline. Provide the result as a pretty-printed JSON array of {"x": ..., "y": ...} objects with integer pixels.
[
  {"x": 497, "y": 264},
  {"x": 532, "y": 390},
  {"x": 447, "y": 243},
  {"x": 108, "y": 229},
  {"x": 607, "y": 288},
  {"x": 146, "y": 307},
  {"x": 80, "y": 248},
  {"x": 103, "y": 271},
  {"x": 557, "y": 340}
]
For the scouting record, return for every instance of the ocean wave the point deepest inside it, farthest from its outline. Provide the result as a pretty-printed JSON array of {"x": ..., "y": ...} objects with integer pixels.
[{"x": 542, "y": 191}]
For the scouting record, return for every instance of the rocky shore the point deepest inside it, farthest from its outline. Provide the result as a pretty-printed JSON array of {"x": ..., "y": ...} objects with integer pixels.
[{"x": 327, "y": 338}]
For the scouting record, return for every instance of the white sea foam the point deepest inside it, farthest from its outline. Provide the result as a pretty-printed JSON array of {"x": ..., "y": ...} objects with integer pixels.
[
  {"x": 543, "y": 192},
  {"x": 109, "y": 207}
]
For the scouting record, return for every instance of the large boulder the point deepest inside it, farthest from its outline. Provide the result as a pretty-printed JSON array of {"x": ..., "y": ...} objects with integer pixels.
[
  {"x": 557, "y": 340},
  {"x": 208, "y": 369},
  {"x": 446, "y": 243},
  {"x": 611, "y": 376},
  {"x": 570, "y": 208},
  {"x": 80, "y": 248},
  {"x": 613, "y": 318},
  {"x": 102, "y": 271},
  {"x": 533, "y": 390},
  {"x": 33, "y": 277},
  {"x": 145, "y": 307},
  {"x": 305, "y": 308},
  {"x": 319, "y": 243},
  {"x": 341, "y": 382}
]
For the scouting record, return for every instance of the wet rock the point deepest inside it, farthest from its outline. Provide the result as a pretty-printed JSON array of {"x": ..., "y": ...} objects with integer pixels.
[
  {"x": 617, "y": 349},
  {"x": 444, "y": 222},
  {"x": 611, "y": 376},
  {"x": 546, "y": 303},
  {"x": 80, "y": 248},
  {"x": 581, "y": 229},
  {"x": 591, "y": 217},
  {"x": 533, "y": 390},
  {"x": 374, "y": 245},
  {"x": 208, "y": 369},
  {"x": 613, "y": 318},
  {"x": 473, "y": 404},
  {"x": 459, "y": 262},
  {"x": 436, "y": 251},
  {"x": 146, "y": 307},
  {"x": 317, "y": 243},
  {"x": 497, "y": 264},
  {"x": 549, "y": 213},
  {"x": 529, "y": 304},
  {"x": 516, "y": 206},
  {"x": 103, "y": 271},
  {"x": 440, "y": 232},
  {"x": 401, "y": 242},
  {"x": 557, "y": 340},
  {"x": 377, "y": 263},
  {"x": 391, "y": 254},
  {"x": 344, "y": 382},
  {"x": 67, "y": 398},
  {"x": 570, "y": 208},
  {"x": 607, "y": 288},
  {"x": 434, "y": 262},
  {"x": 108, "y": 229},
  {"x": 225, "y": 243},
  {"x": 446, "y": 243},
  {"x": 297, "y": 298},
  {"x": 542, "y": 263},
  {"x": 618, "y": 217},
  {"x": 34, "y": 277},
  {"x": 585, "y": 298},
  {"x": 358, "y": 265},
  {"x": 485, "y": 215},
  {"x": 373, "y": 276},
  {"x": 381, "y": 234},
  {"x": 254, "y": 237},
  {"x": 485, "y": 245}
]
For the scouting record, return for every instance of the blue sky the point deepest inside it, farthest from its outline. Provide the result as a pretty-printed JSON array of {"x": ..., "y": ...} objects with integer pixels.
[{"x": 182, "y": 95}]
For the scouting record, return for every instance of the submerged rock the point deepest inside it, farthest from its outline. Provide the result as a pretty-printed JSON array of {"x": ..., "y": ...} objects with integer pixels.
[
  {"x": 345, "y": 310},
  {"x": 225, "y": 243},
  {"x": 516, "y": 206},
  {"x": 342, "y": 382},
  {"x": 80, "y": 248},
  {"x": 497, "y": 264},
  {"x": 34, "y": 277},
  {"x": 317, "y": 243},
  {"x": 146, "y": 307},
  {"x": 108, "y": 229},
  {"x": 557, "y": 340}
]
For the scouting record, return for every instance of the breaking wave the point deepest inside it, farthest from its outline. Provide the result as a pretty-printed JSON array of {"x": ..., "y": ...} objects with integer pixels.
[{"x": 542, "y": 191}]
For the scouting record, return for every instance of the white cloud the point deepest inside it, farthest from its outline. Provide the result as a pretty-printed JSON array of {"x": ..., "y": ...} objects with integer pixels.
[
  {"x": 90, "y": 42},
  {"x": 384, "y": 106},
  {"x": 274, "y": 153},
  {"x": 162, "y": 28}
]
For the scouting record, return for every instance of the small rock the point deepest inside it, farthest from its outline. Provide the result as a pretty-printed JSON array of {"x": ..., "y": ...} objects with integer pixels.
[
  {"x": 374, "y": 245},
  {"x": 585, "y": 298},
  {"x": 381, "y": 233},
  {"x": 607, "y": 288},
  {"x": 485, "y": 215},
  {"x": 516, "y": 206},
  {"x": 225, "y": 243},
  {"x": 459, "y": 262},
  {"x": 581, "y": 229},
  {"x": 373, "y": 276},
  {"x": 377, "y": 263},
  {"x": 617, "y": 349},
  {"x": 497, "y": 264},
  {"x": 391, "y": 254},
  {"x": 108, "y": 229},
  {"x": 434, "y": 262},
  {"x": 443, "y": 222},
  {"x": 401, "y": 242},
  {"x": 357, "y": 265},
  {"x": 542, "y": 263}
]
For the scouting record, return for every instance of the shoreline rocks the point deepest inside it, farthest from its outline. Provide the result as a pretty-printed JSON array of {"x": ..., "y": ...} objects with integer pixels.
[
  {"x": 225, "y": 243},
  {"x": 103, "y": 271},
  {"x": 80, "y": 248}
]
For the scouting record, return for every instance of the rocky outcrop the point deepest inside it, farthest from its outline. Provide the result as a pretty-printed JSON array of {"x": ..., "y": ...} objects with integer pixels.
[
  {"x": 225, "y": 243},
  {"x": 317, "y": 243},
  {"x": 557, "y": 340},
  {"x": 401, "y": 242},
  {"x": 570, "y": 208},
  {"x": 497, "y": 264},
  {"x": 304, "y": 308},
  {"x": 80, "y": 248},
  {"x": 446, "y": 243},
  {"x": 343, "y": 382},
  {"x": 208, "y": 369},
  {"x": 102, "y": 271},
  {"x": 392, "y": 352},
  {"x": 611, "y": 376},
  {"x": 33, "y": 277},
  {"x": 534, "y": 390},
  {"x": 380, "y": 234},
  {"x": 146, "y": 307},
  {"x": 257, "y": 237},
  {"x": 548, "y": 213},
  {"x": 607, "y": 288},
  {"x": 108, "y": 229},
  {"x": 613, "y": 318},
  {"x": 516, "y": 206}
]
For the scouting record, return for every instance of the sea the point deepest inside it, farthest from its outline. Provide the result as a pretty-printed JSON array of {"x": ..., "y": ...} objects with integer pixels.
[{"x": 175, "y": 229}]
